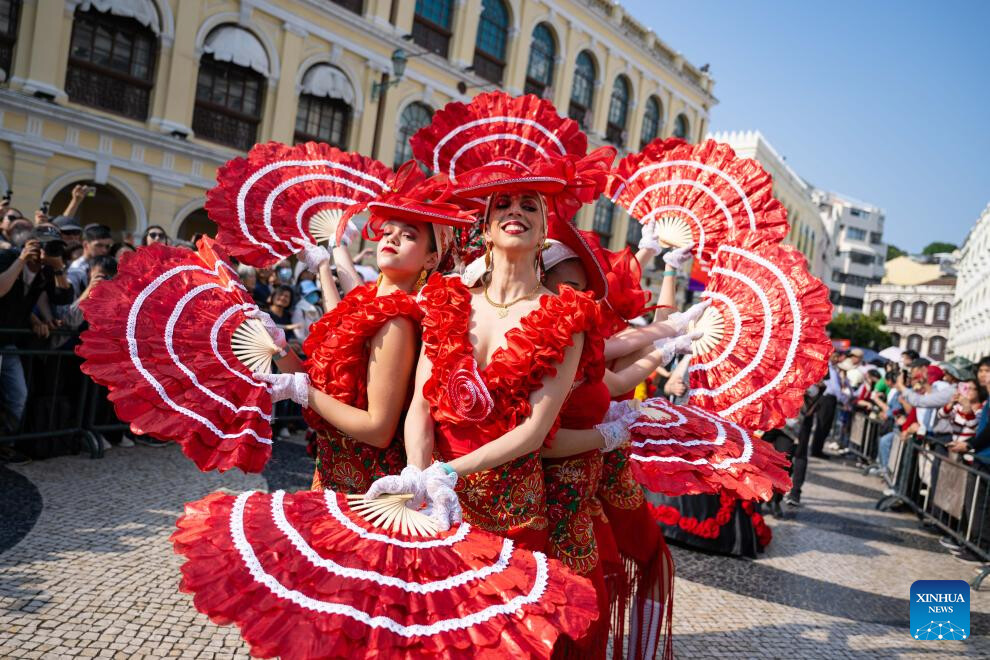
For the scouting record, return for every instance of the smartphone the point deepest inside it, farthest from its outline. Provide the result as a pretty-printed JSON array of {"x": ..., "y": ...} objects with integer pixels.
[
  {"x": 90, "y": 191},
  {"x": 44, "y": 207},
  {"x": 9, "y": 194}
]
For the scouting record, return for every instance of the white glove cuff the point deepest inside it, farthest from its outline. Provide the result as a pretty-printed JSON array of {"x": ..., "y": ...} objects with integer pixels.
[
  {"x": 314, "y": 256},
  {"x": 614, "y": 434}
]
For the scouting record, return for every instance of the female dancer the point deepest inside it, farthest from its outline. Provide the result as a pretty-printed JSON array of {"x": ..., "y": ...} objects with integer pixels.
[{"x": 355, "y": 381}]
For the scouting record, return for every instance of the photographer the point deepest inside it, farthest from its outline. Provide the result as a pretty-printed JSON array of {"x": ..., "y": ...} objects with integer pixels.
[
  {"x": 25, "y": 274},
  {"x": 96, "y": 243}
]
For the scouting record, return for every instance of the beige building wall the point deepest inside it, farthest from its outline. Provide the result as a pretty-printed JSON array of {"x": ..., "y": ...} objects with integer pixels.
[
  {"x": 807, "y": 230},
  {"x": 918, "y": 316},
  {"x": 157, "y": 171},
  {"x": 906, "y": 271},
  {"x": 970, "y": 336}
]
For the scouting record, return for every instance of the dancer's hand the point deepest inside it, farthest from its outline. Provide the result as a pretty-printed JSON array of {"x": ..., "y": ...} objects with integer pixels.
[
  {"x": 293, "y": 386},
  {"x": 350, "y": 233},
  {"x": 615, "y": 428},
  {"x": 444, "y": 507},
  {"x": 313, "y": 256},
  {"x": 680, "y": 345},
  {"x": 276, "y": 333},
  {"x": 649, "y": 241},
  {"x": 677, "y": 258},
  {"x": 681, "y": 320},
  {"x": 408, "y": 482}
]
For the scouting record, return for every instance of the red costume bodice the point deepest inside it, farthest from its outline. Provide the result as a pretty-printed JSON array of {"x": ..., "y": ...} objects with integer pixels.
[
  {"x": 471, "y": 407},
  {"x": 338, "y": 347}
]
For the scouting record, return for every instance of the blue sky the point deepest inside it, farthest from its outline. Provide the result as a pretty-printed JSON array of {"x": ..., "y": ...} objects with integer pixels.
[{"x": 887, "y": 101}]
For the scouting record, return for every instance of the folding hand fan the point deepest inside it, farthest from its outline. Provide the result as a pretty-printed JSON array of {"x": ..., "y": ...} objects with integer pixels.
[
  {"x": 764, "y": 340},
  {"x": 170, "y": 338},
  {"x": 702, "y": 194},
  {"x": 278, "y": 198},
  {"x": 684, "y": 450},
  {"x": 306, "y": 575}
]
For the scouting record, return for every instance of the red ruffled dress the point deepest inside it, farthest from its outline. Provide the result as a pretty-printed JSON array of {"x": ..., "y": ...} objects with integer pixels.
[
  {"x": 471, "y": 407},
  {"x": 338, "y": 347}
]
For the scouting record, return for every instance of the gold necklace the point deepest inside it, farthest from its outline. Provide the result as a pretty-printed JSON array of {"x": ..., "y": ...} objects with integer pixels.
[{"x": 502, "y": 309}]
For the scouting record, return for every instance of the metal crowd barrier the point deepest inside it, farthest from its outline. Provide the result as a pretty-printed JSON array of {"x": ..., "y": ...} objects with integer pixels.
[
  {"x": 64, "y": 405},
  {"x": 863, "y": 438},
  {"x": 946, "y": 493}
]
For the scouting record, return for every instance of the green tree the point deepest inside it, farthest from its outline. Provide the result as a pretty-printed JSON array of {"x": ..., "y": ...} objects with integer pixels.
[
  {"x": 893, "y": 252},
  {"x": 938, "y": 246},
  {"x": 861, "y": 330}
]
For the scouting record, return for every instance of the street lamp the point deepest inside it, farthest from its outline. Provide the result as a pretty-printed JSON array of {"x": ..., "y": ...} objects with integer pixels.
[{"x": 399, "y": 60}]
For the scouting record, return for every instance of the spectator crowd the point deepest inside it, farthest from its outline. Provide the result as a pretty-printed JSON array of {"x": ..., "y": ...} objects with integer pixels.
[{"x": 48, "y": 266}]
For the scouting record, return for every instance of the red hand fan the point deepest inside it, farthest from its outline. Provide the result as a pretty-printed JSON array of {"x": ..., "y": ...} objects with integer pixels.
[
  {"x": 306, "y": 575},
  {"x": 279, "y": 195},
  {"x": 764, "y": 340},
  {"x": 684, "y": 450},
  {"x": 496, "y": 129},
  {"x": 169, "y": 337},
  {"x": 701, "y": 194}
]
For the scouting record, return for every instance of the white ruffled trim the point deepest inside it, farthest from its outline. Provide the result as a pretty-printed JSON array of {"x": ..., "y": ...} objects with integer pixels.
[
  {"x": 299, "y": 543},
  {"x": 251, "y": 562},
  {"x": 660, "y": 404}
]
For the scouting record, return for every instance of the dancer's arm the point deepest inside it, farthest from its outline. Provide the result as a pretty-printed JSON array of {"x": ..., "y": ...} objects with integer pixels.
[
  {"x": 331, "y": 297},
  {"x": 419, "y": 422},
  {"x": 531, "y": 433},
  {"x": 571, "y": 442},
  {"x": 389, "y": 368},
  {"x": 346, "y": 272},
  {"x": 632, "y": 340},
  {"x": 622, "y": 380}
]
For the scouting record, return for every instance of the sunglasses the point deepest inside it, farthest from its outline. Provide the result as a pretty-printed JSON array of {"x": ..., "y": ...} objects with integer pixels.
[{"x": 156, "y": 234}]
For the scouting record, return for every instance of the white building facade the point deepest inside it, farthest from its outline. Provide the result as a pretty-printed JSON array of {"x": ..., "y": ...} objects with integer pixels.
[
  {"x": 918, "y": 316},
  {"x": 858, "y": 252},
  {"x": 970, "y": 336},
  {"x": 807, "y": 232}
]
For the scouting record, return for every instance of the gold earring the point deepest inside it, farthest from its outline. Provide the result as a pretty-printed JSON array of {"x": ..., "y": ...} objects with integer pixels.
[
  {"x": 421, "y": 282},
  {"x": 379, "y": 282},
  {"x": 488, "y": 256}
]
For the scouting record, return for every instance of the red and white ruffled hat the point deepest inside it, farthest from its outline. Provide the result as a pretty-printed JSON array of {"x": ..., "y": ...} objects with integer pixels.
[
  {"x": 415, "y": 198},
  {"x": 499, "y": 143}
]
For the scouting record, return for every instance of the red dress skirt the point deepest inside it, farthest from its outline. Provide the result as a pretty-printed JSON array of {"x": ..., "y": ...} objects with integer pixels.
[
  {"x": 338, "y": 347},
  {"x": 471, "y": 407}
]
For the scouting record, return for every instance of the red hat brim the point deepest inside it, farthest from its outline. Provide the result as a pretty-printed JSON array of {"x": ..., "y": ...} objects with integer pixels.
[
  {"x": 415, "y": 213},
  {"x": 593, "y": 261}
]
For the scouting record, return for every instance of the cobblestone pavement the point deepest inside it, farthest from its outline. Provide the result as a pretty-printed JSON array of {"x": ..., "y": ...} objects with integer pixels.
[{"x": 95, "y": 575}]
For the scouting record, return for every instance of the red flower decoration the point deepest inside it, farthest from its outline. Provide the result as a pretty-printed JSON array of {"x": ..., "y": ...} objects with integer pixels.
[{"x": 468, "y": 392}]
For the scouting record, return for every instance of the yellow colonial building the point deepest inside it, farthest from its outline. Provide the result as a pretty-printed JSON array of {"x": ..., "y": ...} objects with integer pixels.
[{"x": 147, "y": 98}]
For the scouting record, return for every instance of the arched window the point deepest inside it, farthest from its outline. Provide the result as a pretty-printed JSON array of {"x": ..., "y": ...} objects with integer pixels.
[
  {"x": 942, "y": 313},
  {"x": 325, "y": 107},
  {"x": 493, "y": 35},
  {"x": 895, "y": 339},
  {"x": 914, "y": 343},
  {"x": 431, "y": 25},
  {"x": 897, "y": 310},
  {"x": 681, "y": 126},
  {"x": 539, "y": 71},
  {"x": 112, "y": 58},
  {"x": 10, "y": 14},
  {"x": 918, "y": 311},
  {"x": 230, "y": 87},
  {"x": 876, "y": 307},
  {"x": 583, "y": 90},
  {"x": 602, "y": 222},
  {"x": 618, "y": 112},
  {"x": 197, "y": 222},
  {"x": 414, "y": 117},
  {"x": 652, "y": 119},
  {"x": 936, "y": 347}
]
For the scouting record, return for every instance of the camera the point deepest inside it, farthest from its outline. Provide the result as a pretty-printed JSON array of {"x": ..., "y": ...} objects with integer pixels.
[{"x": 53, "y": 249}]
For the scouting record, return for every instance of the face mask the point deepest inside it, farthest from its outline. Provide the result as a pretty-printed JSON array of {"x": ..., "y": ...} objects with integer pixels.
[
  {"x": 285, "y": 275},
  {"x": 313, "y": 297}
]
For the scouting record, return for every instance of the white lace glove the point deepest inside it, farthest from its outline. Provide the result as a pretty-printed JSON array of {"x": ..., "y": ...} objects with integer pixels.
[
  {"x": 293, "y": 386},
  {"x": 677, "y": 258},
  {"x": 615, "y": 431},
  {"x": 276, "y": 333},
  {"x": 681, "y": 320},
  {"x": 444, "y": 507},
  {"x": 408, "y": 482},
  {"x": 649, "y": 241},
  {"x": 680, "y": 345},
  {"x": 313, "y": 256}
]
